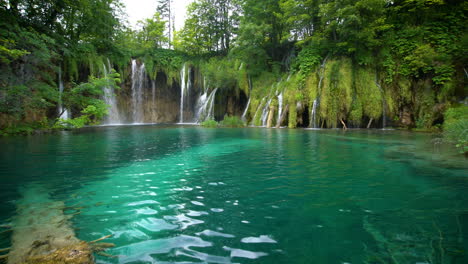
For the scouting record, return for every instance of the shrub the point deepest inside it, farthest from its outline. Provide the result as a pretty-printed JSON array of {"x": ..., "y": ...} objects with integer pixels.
[
  {"x": 209, "y": 123},
  {"x": 232, "y": 121},
  {"x": 456, "y": 127}
]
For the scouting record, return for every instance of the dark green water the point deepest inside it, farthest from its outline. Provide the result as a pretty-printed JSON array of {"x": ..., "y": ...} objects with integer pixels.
[{"x": 188, "y": 194}]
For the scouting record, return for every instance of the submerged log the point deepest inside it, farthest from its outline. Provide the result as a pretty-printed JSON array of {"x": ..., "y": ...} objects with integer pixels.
[
  {"x": 42, "y": 232},
  {"x": 79, "y": 253},
  {"x": 100, "y": 239}
]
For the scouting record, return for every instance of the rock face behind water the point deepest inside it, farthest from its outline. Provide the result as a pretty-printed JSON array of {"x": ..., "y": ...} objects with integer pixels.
[
  {"x": 162, "y": 106},
  {"x": 161, "y": 99}
]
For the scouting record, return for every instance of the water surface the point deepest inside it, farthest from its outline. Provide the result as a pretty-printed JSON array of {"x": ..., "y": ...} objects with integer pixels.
[{"x": 175, "y": 194}]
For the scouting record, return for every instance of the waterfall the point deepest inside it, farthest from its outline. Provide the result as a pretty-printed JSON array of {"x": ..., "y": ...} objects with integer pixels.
[
  {"x": 113, "y": 116},
  {"x": 266, "y": 109},
  {"x": 153, "y": 91},
  {"x": 138, "y": 83},
  {"x": 182, "y": 91},
  {"x": 316, "y": 103},
  {"x": 313, "y": 117},
  {"x": 384, "y": 118},
  {"x": 65, "y": 115},
  {"x": 206, "y": 106},
  {"x": 256, "y": 111},
  {"x": 246, "y": 110},
  {"x": 280, "y": 108}
]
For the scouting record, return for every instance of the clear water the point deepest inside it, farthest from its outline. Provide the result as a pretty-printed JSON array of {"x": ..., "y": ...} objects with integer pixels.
[{"x": 187, "y": 194}]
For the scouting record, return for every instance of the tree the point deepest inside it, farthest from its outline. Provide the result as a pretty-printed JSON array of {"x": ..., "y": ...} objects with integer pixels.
[
  {"x": 151, "y": 34},
  {"x": 209, "y": 26},
  {"x": 164, "y": 8}
]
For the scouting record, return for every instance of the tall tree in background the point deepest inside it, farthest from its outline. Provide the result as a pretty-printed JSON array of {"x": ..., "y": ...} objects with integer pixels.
[
  {"x": 210, "y": 26},
  {"x": 151, "y": 34},
  {"x": 164, "y": 8}
]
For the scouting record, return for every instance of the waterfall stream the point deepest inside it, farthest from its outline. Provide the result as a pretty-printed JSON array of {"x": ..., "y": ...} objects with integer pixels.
[
  {"x": 205, "y": 106},
  {"x": 265, "y": 111},
  {"x": 384, "y": 117},
  {"x": 246, "y": 110},
  {"x": 280, "y": 108},
  {"x": 313, "y": 120},
  {"x": 63, "y": 113},
  {"x": 182, "y": 93},
  {"x": 153, "y": 91},
  {"x": 316, "y": 102},
  {"x": 113, "y": 116},
  {"x": 138, "y": 83}
]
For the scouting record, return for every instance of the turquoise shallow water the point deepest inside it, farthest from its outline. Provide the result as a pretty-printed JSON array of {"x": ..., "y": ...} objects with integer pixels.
[{"x": 173, "y": 194}]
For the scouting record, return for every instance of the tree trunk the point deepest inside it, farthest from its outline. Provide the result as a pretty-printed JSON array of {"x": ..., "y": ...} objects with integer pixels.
[
  {"x": 270, "y": 116},
  {"x": 343, "y": 123}
]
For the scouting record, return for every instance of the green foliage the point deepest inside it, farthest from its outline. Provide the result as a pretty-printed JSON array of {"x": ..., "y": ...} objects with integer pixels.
[
  {"x": 221, "y": 72},
  {"x": 232, "y": 121},
  {"x": 7, "y": 51},
  {"x": 85, "y": 97},
  {"x": 23, "y": 129},
  {"x": 456, "y": 127},
  {"x": 209, "y": 26},
  {"x": 163, "y": 60},
  {"x": 209, "y": 123}
]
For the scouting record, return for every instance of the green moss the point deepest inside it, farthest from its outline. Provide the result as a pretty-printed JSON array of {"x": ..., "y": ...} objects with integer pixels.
[
  {"x": 356, "y": 112},
  {"x": 336, "y": 93},
  {"x": 258, "y": 113},
  {"x": 311, "y": 88},
  {"x": 369, "y": 93},
  {"x": 292, "y": 121}
]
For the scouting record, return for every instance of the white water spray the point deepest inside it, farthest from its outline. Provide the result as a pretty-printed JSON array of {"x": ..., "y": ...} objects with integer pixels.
[
  {"x": 113, "y": 116},
  {"x": 138, "y": 83}
]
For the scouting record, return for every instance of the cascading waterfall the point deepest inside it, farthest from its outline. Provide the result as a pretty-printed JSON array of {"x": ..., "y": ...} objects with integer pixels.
[
  {"x": 153, "y": 91},
  {"x": 64, "y": 114},
  {"x": 246, "y": 109},
  {"x": 138, "y": 83},
  {"x": 280, "y": 108},
  {"x": 113, "y": 116},
  {"x": 316, "y": 103},
  {"x": 313, "y": 120},
  {"x": 206, "y": 103},
  {"x": 182, "y": 93},
  {"x": 265, "y": 111},
  {"x": 258, "y": 110},
  {"x": 384, "y": 118}
]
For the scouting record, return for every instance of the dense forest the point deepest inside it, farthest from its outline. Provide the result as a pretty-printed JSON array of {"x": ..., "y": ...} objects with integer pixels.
[{"x": 306, "y": 63}]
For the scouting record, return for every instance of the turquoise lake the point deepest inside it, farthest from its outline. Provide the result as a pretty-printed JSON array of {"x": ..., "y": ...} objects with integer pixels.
[{"x": 186, "y": 194}]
